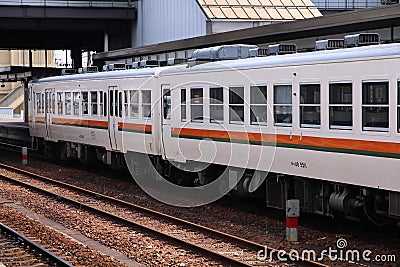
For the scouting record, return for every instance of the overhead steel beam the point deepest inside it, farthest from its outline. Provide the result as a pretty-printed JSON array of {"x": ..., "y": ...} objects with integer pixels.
[
  {"x": 67, "y": 12},
  {"x": 361, "y": 20}
]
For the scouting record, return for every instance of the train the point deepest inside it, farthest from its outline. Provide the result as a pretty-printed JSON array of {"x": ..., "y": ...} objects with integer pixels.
[{"x": 321, "y": 126}]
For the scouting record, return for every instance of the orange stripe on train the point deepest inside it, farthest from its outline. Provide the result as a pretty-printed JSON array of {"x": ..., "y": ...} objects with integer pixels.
[{"x": 335, "y": 143}]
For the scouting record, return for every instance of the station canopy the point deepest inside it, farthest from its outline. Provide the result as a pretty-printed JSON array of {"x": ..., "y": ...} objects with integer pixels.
[{"x": 259, "y": 10}]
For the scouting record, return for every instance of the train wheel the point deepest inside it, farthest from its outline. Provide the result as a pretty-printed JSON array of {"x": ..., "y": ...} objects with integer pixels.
[{"x": 373, "y": 217}]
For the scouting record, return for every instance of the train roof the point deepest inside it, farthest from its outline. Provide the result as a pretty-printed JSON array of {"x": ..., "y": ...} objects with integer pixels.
[
  {"x": 102, "y": 75},
  {"x": 355, "y": 53}
]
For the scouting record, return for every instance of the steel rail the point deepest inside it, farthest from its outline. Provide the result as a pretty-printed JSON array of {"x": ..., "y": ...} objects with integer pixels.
[
  {"x": 209, "y": 231},
  {"x": 141, "y": 228},
  {"x": 44, "y": 253}
]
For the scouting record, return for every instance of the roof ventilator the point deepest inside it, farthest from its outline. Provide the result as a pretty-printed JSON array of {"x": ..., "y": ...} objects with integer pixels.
[
  {"x": 329, "y": 44},
  {"x": 224, "y": 52},
  {"x": 262, "y": 52},
  {"x": 65, "y": 72},
  {"x": 361, "y": 39},
  {"x": 282, "y": 49},
  {"x": 114, "y": 67},
  {"x": 175, "y": 61},
  {"x": 147, "y": 63},
  {"x": 91, "y": 69}
]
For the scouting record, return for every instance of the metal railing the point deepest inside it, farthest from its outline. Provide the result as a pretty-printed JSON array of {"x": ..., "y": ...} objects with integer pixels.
[{"x": 69, "y": 3}]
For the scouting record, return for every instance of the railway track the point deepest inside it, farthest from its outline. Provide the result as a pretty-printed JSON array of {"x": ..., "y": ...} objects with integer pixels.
[
  {"x": 18, "y": 250},
  {"x": 227, "y": 249}
]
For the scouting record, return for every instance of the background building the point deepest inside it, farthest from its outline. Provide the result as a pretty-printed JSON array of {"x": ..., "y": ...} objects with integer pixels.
[
  {"x": 21, "y": 58},
  {"x": 161, "y": 21}
]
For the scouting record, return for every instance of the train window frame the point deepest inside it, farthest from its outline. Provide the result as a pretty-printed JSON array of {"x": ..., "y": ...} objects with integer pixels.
[
  {"x": 101, "y": 103},
  {"x": 60, "y": 103},
  {"x": 183, "y": 105},
  {"x": 52, "y": 101},
  {"x": 398, "y": 106},
  {"x": 134, "y": 104},
  {"x": 369, "y": 106},
  {"x": 42, "y": 101},
  {"x": 216, "y": 103},
  {"x": 339, "y": 104},
  {"x": 238, "y": 105},
  {"x": 303, "y": 105},
  {"x": 94, "y": 103},
  {"x": 126, "y": 103},
  {"x": 146, "y": 104},
  {"x": 120, "y": 103},
  {"x": 38, "y": 103},
  {"x": 68, "y": 103},
  {"x": 85, "y": 103},
  {"x": 197, "y": 103},
  {"x": 76, "y": 103},
  {"x": 166, "y": 98},
  {"x": 282, "y": 104},
  {"x": 105, "y": 105},
  {"x": 255, "y": 103}
]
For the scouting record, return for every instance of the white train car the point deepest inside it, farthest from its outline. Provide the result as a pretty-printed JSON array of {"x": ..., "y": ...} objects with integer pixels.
[
  {"x": 96, "y": 115},
  {"x": 324, "y": 127}
]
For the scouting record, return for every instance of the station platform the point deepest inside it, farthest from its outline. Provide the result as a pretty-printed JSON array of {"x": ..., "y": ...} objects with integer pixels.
[{"x": 15, "y": 133}]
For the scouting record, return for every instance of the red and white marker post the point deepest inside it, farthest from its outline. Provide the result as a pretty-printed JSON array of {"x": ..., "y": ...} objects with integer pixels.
[
  {"x": 292, "y": 219},
  {"x": 24, "y": 155}
]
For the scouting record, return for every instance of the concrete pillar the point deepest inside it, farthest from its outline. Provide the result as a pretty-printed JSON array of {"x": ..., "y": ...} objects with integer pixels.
[
  {"x": 26, "y": 97},
  {"x": 76, "y": 56},
  {"x": 89, "y": 59},
  {"x": 30, "y": 59},
  {"x": 45, "y": 59},
  {"x": 105, "y": 42}
]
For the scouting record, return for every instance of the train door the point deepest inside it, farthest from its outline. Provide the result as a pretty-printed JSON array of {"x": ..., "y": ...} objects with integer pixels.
[
  {"x": 113, "y": 116},
  {"x": 166, "y": 121},
  {"x": 49, "y": 109}
]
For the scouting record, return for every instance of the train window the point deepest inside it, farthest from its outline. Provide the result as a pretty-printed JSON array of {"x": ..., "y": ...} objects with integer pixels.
[
  {"x": 216, "y": 105},
  {"x": 398, "y": 106},
  {"x": 60, "y": 103},
  {"x": 258, "y": 105},
  {"x": 67, "y": 103},
  {"x": 375, "y": 106},
  {"x": 236, "y": 105},
  {"x": 75, "y": 100},
  {"x": 42, "y": 103},
  {"x": 196, "y": 104},
  {"x": 167, "y": 104},
  {"x": 101, "y": 103},
  {"x": 183, "y": 104},
  {"x": 93, "y": 104},
  {"x": 38, "y": 108},
  {"x": 146, "y": 104},
  {"x": 52, "y": 102},
  {"x": 310, "y": 107},
  {"x": 283, "y": 105},
  {"x": 126, "y": 103},
  {"x": 111, "y": 103},
  {"x": 48, "y": 105},
  {"x": 340, "y": 106},
  {"x": 134, "y": 104},
  {"x": 105, "y": 104},
  {"x": 85, "y": 103},
  {"x": 120, "y": 104}
]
